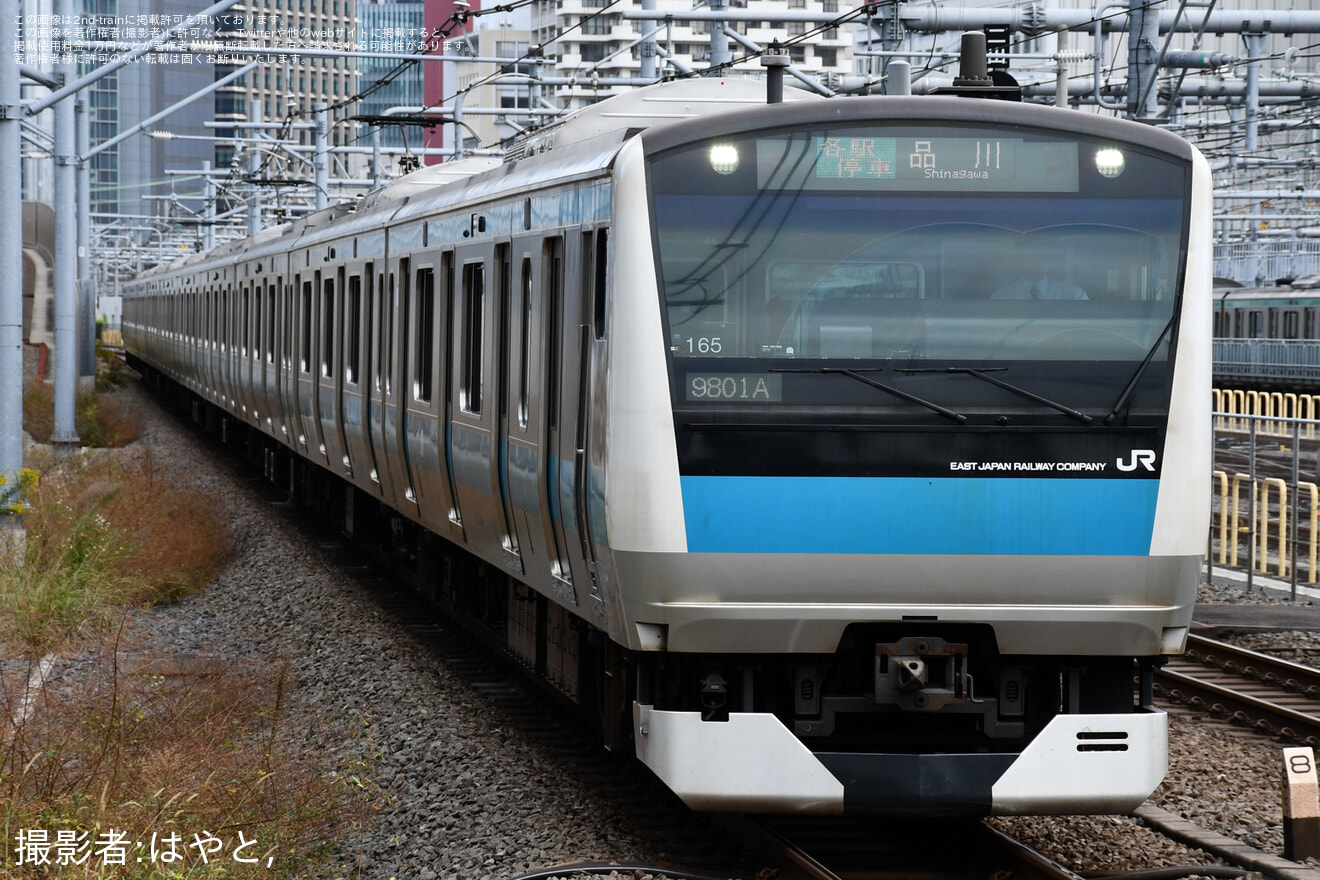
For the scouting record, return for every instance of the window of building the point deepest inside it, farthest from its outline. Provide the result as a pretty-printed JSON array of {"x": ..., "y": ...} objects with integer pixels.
[{"x": 829, "y": 57}]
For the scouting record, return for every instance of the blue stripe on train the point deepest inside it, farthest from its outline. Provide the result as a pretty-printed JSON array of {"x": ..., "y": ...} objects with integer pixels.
[{"x": 1040, "y": 517}]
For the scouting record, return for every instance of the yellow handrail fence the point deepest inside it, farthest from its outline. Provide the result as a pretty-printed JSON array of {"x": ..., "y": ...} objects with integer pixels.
[{"x": 1262, "y": 441}]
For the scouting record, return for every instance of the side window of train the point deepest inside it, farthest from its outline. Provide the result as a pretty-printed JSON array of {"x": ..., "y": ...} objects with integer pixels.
[
  {"x": 1308, "y": 330},
  {"x": 353, "y": 330},
  {"x": 245, "y": 334},
  {"x": 525, "y": 343},
  {"x": 474, "y": 289},
  {"x": 552, "y": 261},
  {"x": 270, "y": 321},
  {"x": 424, "y": 356},
  {"x": 1256, "y": 323},
  {"x": 601, "y": 275},
  {"x": 305, "y": 349},
  {"x": 1292, "y": 323},
  {"x": 328, "y": 328}
]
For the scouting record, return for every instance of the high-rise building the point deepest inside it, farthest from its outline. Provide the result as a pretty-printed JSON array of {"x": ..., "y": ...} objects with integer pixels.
[
  {"x": 593, "y": 42},
  {"x": 318, "y": 68},
  {"x": 395, "y": 27}
]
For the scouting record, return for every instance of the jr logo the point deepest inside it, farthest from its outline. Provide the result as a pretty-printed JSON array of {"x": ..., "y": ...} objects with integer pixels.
[{"x": 1140, "y": 457}]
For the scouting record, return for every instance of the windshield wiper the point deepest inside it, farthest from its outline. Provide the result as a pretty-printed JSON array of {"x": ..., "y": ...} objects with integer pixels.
[
  {"x": 1136, "y": 377},
  {"x": 888, "y": 389},
  {"x": 981, "y": 373}
]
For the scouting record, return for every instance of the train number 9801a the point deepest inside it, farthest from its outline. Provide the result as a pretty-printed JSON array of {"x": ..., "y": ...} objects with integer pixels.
[{"x": 735, "y": 387}]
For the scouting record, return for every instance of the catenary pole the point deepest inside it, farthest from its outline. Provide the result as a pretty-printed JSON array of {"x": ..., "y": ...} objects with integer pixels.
[
  {"x": 11, "y": 255},
  {"x": 65, "y": 434},
  {"x": 86, "y": 288}
]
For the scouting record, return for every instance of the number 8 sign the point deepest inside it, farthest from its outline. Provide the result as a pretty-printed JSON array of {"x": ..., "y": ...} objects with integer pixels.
[{"x": 1301, "y": 805}]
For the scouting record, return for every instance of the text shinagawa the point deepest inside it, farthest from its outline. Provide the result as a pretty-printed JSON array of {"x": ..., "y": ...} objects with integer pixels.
[{"x": 963, "y": 174}]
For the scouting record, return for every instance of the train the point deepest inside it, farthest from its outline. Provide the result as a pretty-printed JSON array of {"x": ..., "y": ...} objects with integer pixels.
[
  {"x": 838, "y": 456},
  {"x": 1268, "y": 338},
  {"x": 1288, "y": 311}
]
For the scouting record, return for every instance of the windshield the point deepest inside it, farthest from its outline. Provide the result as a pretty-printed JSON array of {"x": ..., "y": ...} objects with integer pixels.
[{"x": 900, "y": 250}]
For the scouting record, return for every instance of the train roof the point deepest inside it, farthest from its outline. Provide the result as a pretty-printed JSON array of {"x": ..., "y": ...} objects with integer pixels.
[{"x": 669, "y": 113}]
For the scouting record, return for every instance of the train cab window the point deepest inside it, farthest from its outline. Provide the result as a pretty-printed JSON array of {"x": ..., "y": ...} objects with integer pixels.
[
  {"x": 352, "y": 333},
  {"x": 424, "y": 358},
  {"x": 474, "y": 289},
  {"x": 328, "y": 329}
]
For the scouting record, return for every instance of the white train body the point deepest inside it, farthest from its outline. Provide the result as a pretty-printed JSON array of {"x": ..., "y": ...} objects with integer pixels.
[{"x": 776, "y": 466}]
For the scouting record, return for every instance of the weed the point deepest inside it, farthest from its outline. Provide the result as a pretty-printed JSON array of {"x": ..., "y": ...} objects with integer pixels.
[
  {"x": 109, "y": 754},
  {"x": 101, "y": 420},
  {"x": 103, "y": 534}
]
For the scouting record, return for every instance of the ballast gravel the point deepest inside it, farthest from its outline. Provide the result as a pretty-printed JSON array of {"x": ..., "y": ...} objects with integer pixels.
[{"x": 468, "y": 795}]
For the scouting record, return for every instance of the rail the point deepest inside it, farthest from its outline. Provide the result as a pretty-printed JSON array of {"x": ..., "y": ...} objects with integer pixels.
[{"x": 1271, "y": 695}]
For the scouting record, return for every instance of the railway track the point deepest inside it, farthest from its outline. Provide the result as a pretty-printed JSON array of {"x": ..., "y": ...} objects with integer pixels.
[
  {"x": 1273, "y": 696},
  {"x": 825, "y": 849},
  {"x": 783, "y": 847}
]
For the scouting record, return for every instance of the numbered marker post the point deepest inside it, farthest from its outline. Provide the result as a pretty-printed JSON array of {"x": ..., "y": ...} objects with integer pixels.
[{"x": 1301, "y": 805}]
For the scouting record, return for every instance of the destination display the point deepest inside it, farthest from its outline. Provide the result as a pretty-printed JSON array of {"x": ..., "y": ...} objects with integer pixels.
[{"x": 914, "y": 162}]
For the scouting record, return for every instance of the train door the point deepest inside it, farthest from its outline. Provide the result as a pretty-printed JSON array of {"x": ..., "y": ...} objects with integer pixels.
[
  {"x": 274, "y": 415},
  {"x": 522, "y": 462},
  {"x": 256, "y": 389},
  {"x": 472, "y": 435},
  {"x": 505, "y": 330},
  {"x": 225, "y": 386},
  {"x": 570, "y": 425},
  {"x": 352, "y": 395},
  {"x": 288, "y": 363},
  {"x": 373, "y": 283},
  {"x": 395, "y": 321},
  {"x": 329, "y": 375},
  {"x": 560, "y": 393},
  {"x": 309, "y": 438},
  {"x": 428, "y": 393},
  {"x": 243, "y": 351}
]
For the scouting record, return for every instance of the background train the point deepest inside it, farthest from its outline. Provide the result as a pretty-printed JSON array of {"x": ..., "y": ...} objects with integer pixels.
[
  {"x": 840, "y": 456},
  {"x": 1268, "y": 338}
]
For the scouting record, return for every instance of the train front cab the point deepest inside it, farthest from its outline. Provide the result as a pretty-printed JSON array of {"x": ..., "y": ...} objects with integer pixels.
[{"x": 817, "y": 512}]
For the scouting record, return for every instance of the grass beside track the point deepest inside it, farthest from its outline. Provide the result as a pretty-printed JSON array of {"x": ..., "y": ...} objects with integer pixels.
[{"x": 116, "y": 761}]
